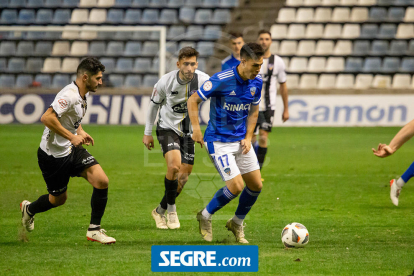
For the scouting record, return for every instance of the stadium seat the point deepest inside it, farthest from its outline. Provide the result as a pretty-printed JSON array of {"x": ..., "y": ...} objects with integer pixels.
[
  {"x": 221, "y": 17},
  {"x": 292, "y": 80},
  {"x": 304, "y": 15},
  {"x": 212, "y": 32},
  {"x": 363, "y": 81},
  {"x": 401, "y": 81},
  {"x": 150, "y": 48},
  {"x": 306, "y": 48},
  {"x": 326, "y": 81},
  {"x": 294, "y": 3},
  {"x": 109, "y": 64},
  {"x": 308, "y": 81},
  {"x": 203, "y": 16},
  {"x": 69, "y": 65},
  {"x": 313, "y": 31},
  {"x": 175, "y": 3},
  {"x": 155, "y": 65},
  {"x": 115, "y": 48},
  {"x": 158, "y": 3},
  {"x": 17, "y": 3},
  {"x": 26, "y": 17},
  {"x": 410, "y": 50},
  {"x": 385, "y": 2},
  {"x": 124, "y": 65},
  {"x": 106, "y": 3},
  {"x": 140, "y": 3},
  {"x": 176, "y": 33},
  {"x": 372, "y": 65},
  {"x": 116, "y": 81},
  {"x": 133, "y": 81},
  {"x": 44, "y": 80},
  {"x": 205, "y": 48},
  {"x": 211, "y": 3},
  {"x": 150, "y": 80},
  {"x": 398, "y": 48},
  {"x": 142, "y": 65},
  {"x": 35, "y": 35},
  {"x": 61, "y": 17},
  {"x": 387, "y": 31},
  {"x": 361, "y": 48},
  {"x": 186, "y": 14},
  {"x": 351, "y": 31},
  {"x": 341, "y": 14},
  {"x": 369, "y": 31},
  {"x": 34, "y": 65},
  {"x": 322, "y": 15},
  {"x": 70, "y": 3},
  {"x": 402, "y": 2},
  {"x": 379, "y": 48},
  {"x": 353, "y": 64},
  {"x": 7, "y": 48},
  {"x": 194, "y": 32},
  {"x": 330, "y": 2},
  {"x": 171, "y": 47},
  {"x": 61, "y": 48},
  {"x": 202, "y": 66},
  {"x": 132, "y": 48},
  {"x": 324, "y": 47},
  {"x": 60, "y": 80},
  {"x": 229, "y": 3},
  {"x": 115, "y": 16},
  {"x": 24, "y": 81},
  {"x": 51, "y": 65},
  {"x": 88, "y": 3},
  {"x": 381, "y": 81},
  {"x": 9, "y": 17},
  {"x": 296, "y": 31},
  {"x": 97, "y": 16},
  {"x": 44, "y": 16},
  {"x": 407, "y": 65},
  {"x": 312, "y": 3},
  {"x": 79, "y": 48},
  {"x": 390, "y": 65},
  {"x": 79, "y": 16},
  {"x": 316, "y": 64},
  {"x": 141, "y": 35},
  {"x": 278, "y": 31},
  {"x": 122, "y": 35},
  {"x": 332, "y": 31},
  {"x": 396, "y": 14},
  {"x": 288, "y": 47},
  {"x": 70, "y": 34},
  {"x": 343, "y": 48},
  {"x": 89, "y": 35},
  {"x": 4, "y": 3},
  {"x": 405, "y": 31},
  {"x": 194, "y": 3},
  {"x": 274, "y": 47},
  {"x": 16, "y": 65},
  {"x": 348, "y": 2},
  {"x": 335, "y": 64},
  {"x": 123, "y": 3},
  {"x": 377, "y": 14},
  {"x": 409, "y": 14},
  {"x": 298, "y": 64},
  {"x": 168, "y": 16},
  {"x": 132, "y": 16},
  {"x": 97, "y": 48},
  {"x": 25, "y": 48},
  {"x": 286, "y": 15},
  {"x": 7, "y": 81},
  {"x": 3, "y": 64},
  {"x": 344, "y": 81},
  {"x": 359, "y": 14},
  {"x": 149, "y": 16},
  {"x": 286, "y": 61}
]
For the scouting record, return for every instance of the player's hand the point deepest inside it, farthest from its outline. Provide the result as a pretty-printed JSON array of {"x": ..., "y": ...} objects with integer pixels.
[
  {"x": 383, "y": 150},
  {"x": 77, "y": 140},
  {"x": 148, "y": 141},
  {"x": 246, "y": 145},
  {"x": 285, "y": 115},
  {"x": 87, "y": 139},
  {"x": 198, "y": 138}
]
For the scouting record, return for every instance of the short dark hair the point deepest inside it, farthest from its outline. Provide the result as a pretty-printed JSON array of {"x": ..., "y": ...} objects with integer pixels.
[
  {"x": 90, "y": 65},
  {"x": 251, "y": 50},
  {"x": 187, "y": 52},
  {"x": 264, "y": 32},
  {"x": 234, "y": 35}
]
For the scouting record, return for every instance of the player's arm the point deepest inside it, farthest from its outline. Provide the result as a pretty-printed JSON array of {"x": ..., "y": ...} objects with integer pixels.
[
  {"x": 284, "y": 93},
  {"x": 192, "y": 106},
  {"x": 49, "y": 119},
  {"x": 157, "y": 98},
  {"x": 246, "y": 143},
  {"x": 87, "y": 138},
  {"x": 405, "y": 134}
]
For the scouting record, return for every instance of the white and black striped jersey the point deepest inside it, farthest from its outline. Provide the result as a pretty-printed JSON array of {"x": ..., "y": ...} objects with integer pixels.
[
  {"x": 275, "y": 67},
  {"x": 171, "y": 94}
]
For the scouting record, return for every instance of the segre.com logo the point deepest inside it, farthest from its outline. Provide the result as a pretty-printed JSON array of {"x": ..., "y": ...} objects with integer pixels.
[{"x": 208, "y": 258}]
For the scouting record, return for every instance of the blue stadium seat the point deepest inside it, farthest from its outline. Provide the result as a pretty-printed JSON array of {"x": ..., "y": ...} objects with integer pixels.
[
  {"x": 53, "y": 3},
  {"x": 212, "y": 32},
  {"x": 203, "y": 16},
  {"x": 211, "y": 3},
  {"x": 142, "y": 65},
  {"x": 123, "y": 3},
  {"x": 396, "y": 14},
  {"x": 44, "y": 80},
  {"x": 7, "y": 48},
  {"x": 187, "y": 14},
  {"x": 155, "y": 65},
  {"x": 106, "y": 35},
  {"x": 158, "y": 3},
  {"x": 43, "y": 48},
  {"x": 176, "y": 3},
  {"x": 194, "y": 32},
  {"x": 176, "y": 32},
  {"x": 123, "y": 35},
  {"x": 149, "y": 16},
  {"x": 410, "y": 50},
  {"x": 60, "y": 81},
  {"x": 25, "y": 48},
  {"x": 353, "y": 64},
  {"x": 387, "y": 31},
  {"x": 221, "y": 17},
  {"x": 369, "y": 31},
  {"x": 109, "y": 64},
  {"x": 168, "y": 16},
  {"x": 402, "y": 2},
  {"x": 53, "y": 35},
  {"x": 44, "y": 16},
  {"x": 205, "y": 48},
  {"x": 390, "y": 65},
  {"x": 34, "y": 65},
  {"x": 24, "y": 81},
  {"x": 4, "y": 3},
  {"x": 385, "y": 2},
  {"x": 35, "y": 3},
  {"x": 70, "y": 3},
  {"x": 372, "y": 64},
  {"x": 16, "y": 65},
  {"x": 398, "y": 48},
  {"x": 132, "y": 48},
  {"x": 8, "y": 17},
  {"x": 97, "y": 48},
  {"x": 35, "y": 35},
  {"x": 229, "y": 3},
  {"x": 379, "y": 47},
  {"x": 3, "y": 64},
  {"x": 116, "y": 80},
  {"x": 115, "y": 48},
  {"x": 141, "y": 35},
  {"x": 132, "y": 81},
  {"x": 61, "y": 16},
  {"x": 150, "y": 80},
  {"x": 171, "y": 47},
  {"x": 377, "y": 14},
  {"x": 202, "y": 64},
  {"x": 407, "y": 65},
  {"x": 140, "y": 3},
  {"x": 132, "y": 16},
  {"x": 17, "y": 3},
  {"x": 194, "y": 3},
  {"x": 150, "y": 48},
  {"x": 124, "y": 65},
  {"x": 7, "y": 81},
  {"x": 26, "y": 16},
  {"x": 115, "y": 16}
]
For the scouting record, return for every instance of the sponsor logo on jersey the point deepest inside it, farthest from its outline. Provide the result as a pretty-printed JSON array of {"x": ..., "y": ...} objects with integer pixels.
[
  {"x": 207, "y": 86},
  {"x": 62, "y": 103},
  {"x": 270, "y": 66},
  {"x": 236, "y": 107},
  {"x": 174, "y": 92},
  {"x": 253, "y": 90},
  {"x": 232, "y": 93},
  {"x": 180, "y": 108},
  {"x": 227, "y": 170}
]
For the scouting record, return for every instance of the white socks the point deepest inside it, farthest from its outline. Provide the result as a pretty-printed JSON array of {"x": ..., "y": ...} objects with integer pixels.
[
  {"x": 206, "y": 214},
  {"x": 160, "y": 210},
  {"x": 400, "y": 182},
  {"x": 237, "y": 220},
  {"x": 171, "y": 208}
]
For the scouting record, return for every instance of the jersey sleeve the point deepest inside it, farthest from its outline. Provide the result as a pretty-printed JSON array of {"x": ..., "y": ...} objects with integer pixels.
[
  {"x": 62, "y": 103},
  {"x": 281, "y": 71},
  {"x": 258, "y": 96},
  {"x": 158, "y": 93},
  {"x": 209, "y": 88},
  {"x": 224, "y": 66}
]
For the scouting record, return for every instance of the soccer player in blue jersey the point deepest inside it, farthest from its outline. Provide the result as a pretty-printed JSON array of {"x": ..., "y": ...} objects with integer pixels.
[
  {"x": 236, "y": 43},
  {"x": 235, "y": 96}
]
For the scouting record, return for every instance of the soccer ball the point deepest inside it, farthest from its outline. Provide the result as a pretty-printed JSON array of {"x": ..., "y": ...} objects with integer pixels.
[{"x": 295, "y": 235}]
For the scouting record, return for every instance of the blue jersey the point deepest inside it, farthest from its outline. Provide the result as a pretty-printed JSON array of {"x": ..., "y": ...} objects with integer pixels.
[
  {"x": 229, "y": 62},
  {"x": 231, "y": 97}
]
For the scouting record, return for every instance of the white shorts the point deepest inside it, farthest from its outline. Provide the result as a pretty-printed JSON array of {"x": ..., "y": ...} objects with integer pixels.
[{"x": 229, "y": 160}]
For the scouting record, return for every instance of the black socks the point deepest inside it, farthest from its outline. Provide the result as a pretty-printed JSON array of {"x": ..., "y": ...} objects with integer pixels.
[
  {"x": 98, "y": 204},
  {"x": 42, "y": 204},
  {"x": 261, "y": 154}
]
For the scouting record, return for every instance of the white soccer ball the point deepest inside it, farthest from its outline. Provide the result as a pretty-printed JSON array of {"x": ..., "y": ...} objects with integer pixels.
[{"x": 295, "y": 235}]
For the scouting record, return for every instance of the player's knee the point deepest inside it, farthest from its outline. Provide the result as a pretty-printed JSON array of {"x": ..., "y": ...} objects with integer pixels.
[
  {"x": 58, "y": 200},
  {"x": 263, "y": 141},
  {"x": 173, "y": 169},
  {"x": 103, "y": 182}
]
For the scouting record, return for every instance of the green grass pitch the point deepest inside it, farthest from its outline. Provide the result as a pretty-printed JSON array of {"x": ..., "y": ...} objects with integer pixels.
[{"x": 326, "y": 178}]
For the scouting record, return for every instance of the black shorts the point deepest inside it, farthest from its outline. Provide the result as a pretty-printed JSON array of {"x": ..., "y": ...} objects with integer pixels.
[
  {"x": 265, "y": 121},
  {"x": 57, "y": 171},
  {"x": 170, "y": 140}
]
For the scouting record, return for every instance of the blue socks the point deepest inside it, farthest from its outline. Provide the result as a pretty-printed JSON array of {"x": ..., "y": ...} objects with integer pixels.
[
  {"x": 220, "y": 199},
  {"x": 246, "y": 201},
  {"x": 408, "y": 173}
]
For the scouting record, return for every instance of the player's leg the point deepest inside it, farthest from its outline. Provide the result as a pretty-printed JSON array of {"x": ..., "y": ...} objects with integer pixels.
[
  {"x": 262, "y": 149},
  {"x": 397, "y": 184}
]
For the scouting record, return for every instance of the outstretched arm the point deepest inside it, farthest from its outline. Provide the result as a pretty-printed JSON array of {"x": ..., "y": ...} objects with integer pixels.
[
  {"x": 192, "y": 105},
  {"x": 405, "y": 134}
]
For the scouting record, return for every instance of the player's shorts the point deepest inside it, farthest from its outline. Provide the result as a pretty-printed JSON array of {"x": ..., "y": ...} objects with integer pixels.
[
  {"x": 265, "y": 121},
  {"x": 170, "y": 140},
  {"x": 229, "y": 160},
  {"x": 57, "y": 171}
]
